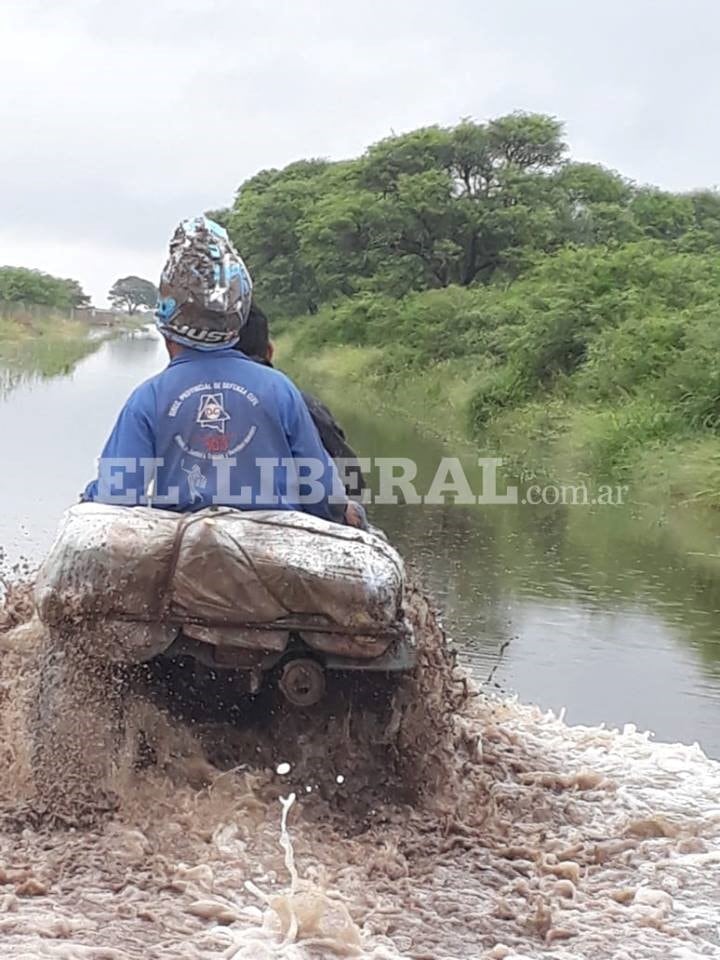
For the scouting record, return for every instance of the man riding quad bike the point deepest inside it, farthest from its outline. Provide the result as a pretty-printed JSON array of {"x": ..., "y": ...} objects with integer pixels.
[{"x": 217, "y": 544}]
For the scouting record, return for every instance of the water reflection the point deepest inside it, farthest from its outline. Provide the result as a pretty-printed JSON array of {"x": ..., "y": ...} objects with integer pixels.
[
  {"x": 35, "y": 360},
  {"x": 605, "y": 614},
  {"x": 55, "y": 428}
]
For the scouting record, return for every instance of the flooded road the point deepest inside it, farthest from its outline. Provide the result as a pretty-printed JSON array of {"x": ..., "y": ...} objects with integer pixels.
[
  {"x": 598, "y": 611},
  {"x": 532, "y": 840}
]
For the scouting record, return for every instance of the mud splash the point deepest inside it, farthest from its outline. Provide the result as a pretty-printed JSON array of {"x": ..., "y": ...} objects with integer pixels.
[{"x": 525, "y": 838}]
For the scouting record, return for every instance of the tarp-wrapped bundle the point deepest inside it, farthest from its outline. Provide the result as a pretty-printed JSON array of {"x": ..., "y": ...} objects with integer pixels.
[{"x": 219, "y": 567}]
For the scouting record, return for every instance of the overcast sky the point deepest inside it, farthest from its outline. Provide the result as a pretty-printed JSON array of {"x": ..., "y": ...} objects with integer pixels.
[{"x": 119, "y": 117}]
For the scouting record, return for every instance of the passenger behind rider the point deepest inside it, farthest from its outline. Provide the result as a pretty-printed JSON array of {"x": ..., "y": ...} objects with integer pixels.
[
  {"x": 256, "y": 344},
  {"x": 212, "y": 427}
]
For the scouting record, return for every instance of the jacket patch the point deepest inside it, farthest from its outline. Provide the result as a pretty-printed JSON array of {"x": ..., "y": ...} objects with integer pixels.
[
  {"x": 212, "y": 414},
  {"x": 197, "y": 482}
]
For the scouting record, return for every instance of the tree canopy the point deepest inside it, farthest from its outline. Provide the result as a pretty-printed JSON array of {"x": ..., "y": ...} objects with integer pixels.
[
  {"x": 132, "y": 294},
  {"x": 486, "y": 244},
  {"x": 463, "y": 205},
  {"x": 21, "y": 285}
]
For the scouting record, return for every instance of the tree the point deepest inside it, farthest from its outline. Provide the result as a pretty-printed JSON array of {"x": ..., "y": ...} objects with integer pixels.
[
  {"x": 21, "y": 285},
  {"x": 264, "y": 225},
  {"x": 76, "y": 294},
  {"x": 664, "y": 216},
  {"x": 587, "y": 183},
  {"x": 527, "y": 140},
  {"x": 468, "y": 205},
  {"x": 418, "y": 211},
  {"x": 413, "y": 153},
  {"x": 132, "y": 293}
]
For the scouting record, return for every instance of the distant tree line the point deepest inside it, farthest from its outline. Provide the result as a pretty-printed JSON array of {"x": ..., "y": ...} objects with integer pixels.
[{"x": 21, "y": 285}]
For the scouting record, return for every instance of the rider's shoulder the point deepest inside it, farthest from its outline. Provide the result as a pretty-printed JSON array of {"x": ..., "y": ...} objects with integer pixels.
[
  {"x": 281, "y": 380},
  {"x": 144, "y": 393}
]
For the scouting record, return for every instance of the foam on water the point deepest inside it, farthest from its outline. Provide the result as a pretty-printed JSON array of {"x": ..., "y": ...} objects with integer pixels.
[{"x": 533, "y": 840}]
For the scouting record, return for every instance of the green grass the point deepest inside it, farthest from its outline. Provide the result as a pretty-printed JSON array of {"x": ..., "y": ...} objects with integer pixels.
[
  {"x": 337, "y": 363},
  {"x": 665, "y": 463},
  {"x": 42, "y": 341},
  {"x": 436, "y": 399},
  {"x": 19, "y": 322}
]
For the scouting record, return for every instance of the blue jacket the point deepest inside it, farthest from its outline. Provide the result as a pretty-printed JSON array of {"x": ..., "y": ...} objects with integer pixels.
[{"x": 217, "y": 429}]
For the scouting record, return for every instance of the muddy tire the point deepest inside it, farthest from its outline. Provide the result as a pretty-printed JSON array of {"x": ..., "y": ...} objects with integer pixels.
[{"x": 76, "y": 727}]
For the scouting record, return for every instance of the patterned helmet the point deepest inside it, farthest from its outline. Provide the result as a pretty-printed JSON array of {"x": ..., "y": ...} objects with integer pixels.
[{"x": 205, "y": 288}]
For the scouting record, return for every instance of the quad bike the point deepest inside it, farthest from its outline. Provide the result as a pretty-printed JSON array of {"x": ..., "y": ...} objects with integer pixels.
[{"x": 218, "y": 607}]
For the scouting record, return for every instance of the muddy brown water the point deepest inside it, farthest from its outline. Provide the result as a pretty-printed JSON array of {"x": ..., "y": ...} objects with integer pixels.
[
  {"x": 607, "y": 615},
  {"x": 533, "y": 839}
]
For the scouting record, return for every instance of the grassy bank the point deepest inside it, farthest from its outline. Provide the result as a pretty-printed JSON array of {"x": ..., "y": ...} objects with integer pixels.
[
  {"x": 596, "y": 363},
  {"x": 42, "y": 340},
  {"x": 435, "y": 400},
  {"x": 672, "y": 496},
  {"x": 664, "y": 465},
  {"x": 495, "y": 290},
  {"x": 558, "y": 438}
]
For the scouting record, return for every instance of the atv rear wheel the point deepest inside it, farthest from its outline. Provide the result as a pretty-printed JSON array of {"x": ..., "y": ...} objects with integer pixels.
[{"x": 76, "y": 726}]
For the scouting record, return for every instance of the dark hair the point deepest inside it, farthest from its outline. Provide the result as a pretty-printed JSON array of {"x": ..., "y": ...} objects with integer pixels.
[{"x": 255, "y": 335}]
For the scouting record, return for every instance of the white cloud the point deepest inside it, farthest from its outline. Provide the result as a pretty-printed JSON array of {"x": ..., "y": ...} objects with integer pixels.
[
  {"x": 98, "y": 264},
  {"x": 119, "y": 119}
]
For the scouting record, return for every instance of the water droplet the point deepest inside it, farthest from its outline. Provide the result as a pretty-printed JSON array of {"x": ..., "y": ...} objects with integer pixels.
[
  {"x": 340, "y": 778},
  {"x": 282, "y": 769}
]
